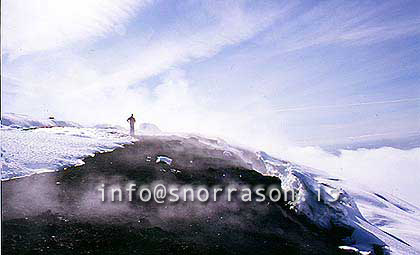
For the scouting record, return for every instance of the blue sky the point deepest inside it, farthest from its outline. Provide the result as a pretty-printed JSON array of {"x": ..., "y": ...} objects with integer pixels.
[{"x": 257, "y": 72}]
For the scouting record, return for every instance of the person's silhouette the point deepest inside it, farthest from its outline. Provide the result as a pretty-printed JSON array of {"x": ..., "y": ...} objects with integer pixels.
[{"x": 132, "y": 120}]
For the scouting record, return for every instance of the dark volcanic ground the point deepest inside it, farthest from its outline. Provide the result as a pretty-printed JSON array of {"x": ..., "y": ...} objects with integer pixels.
[{"x": 62, "y": 212}]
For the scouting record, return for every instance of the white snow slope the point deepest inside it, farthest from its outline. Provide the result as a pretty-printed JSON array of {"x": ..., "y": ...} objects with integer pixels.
[
  {"x": 379, "y": 219},
  {"x": 23, "y": 121},
  {"x": 27, "y": 148}
]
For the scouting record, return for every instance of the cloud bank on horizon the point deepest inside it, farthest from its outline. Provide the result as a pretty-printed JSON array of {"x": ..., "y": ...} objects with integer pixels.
[
  {"x": 260, "y": 72},
  {"x": 385, "y": 169}
]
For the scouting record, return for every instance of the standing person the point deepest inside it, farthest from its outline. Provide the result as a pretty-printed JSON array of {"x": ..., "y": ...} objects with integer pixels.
[{"x": 132, "y": 120}]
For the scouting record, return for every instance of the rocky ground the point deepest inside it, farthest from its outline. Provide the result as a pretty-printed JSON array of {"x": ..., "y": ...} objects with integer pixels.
[{"x": 62, "y": 212}]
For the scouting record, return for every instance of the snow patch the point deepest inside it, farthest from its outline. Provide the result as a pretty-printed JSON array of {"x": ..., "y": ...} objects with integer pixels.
[
  {"x": 31, "y": 151},
  {"x": 23, "y": 121},
  {"x": 164, "y": 159}
]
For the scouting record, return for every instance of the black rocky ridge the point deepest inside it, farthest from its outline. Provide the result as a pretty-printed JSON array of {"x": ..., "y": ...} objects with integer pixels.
[{"x": 62, "y": 212}]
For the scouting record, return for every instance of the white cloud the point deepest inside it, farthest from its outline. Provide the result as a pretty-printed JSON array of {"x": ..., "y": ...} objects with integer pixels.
[
  {"x": 232, "y": 24},
  {"x": 343, "y": 22},
  {"x": 385, "y": 169},
  {"x": 38, "y": 25},
  {"x": 101, "y": 84}
]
